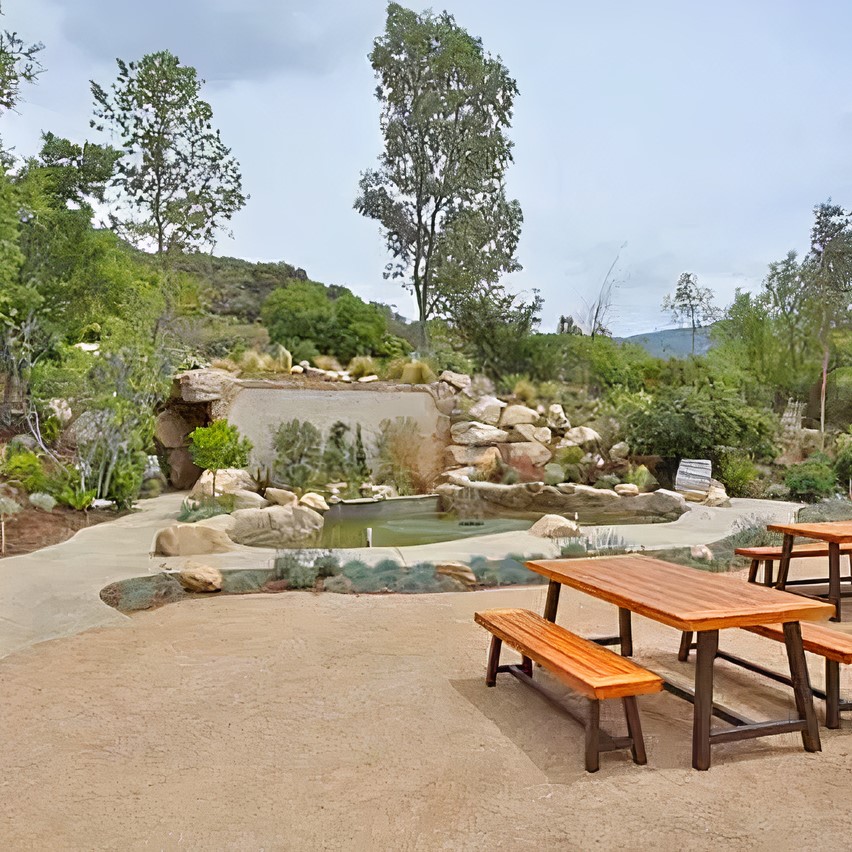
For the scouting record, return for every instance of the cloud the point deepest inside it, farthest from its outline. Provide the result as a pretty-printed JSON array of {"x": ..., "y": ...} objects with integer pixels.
[{"x": 226, "y": 41}]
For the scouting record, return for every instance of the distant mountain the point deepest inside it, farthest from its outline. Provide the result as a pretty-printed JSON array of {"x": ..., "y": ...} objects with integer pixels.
[{"x": 672, "y": 342}]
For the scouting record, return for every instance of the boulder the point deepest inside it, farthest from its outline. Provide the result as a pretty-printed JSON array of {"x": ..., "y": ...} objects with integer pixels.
[
  {"x": 244, "y": 499},
  {"x": 626, "y": 489},
  {"x": 526, "y": 452},
  {"x": 460, "y": 381},
  {"x": 619, "y": 451},
  {"x": 701, "y": 552},
  {"x": 514, "y": 415},
  {"x": 582, "y": 436},
  {"x": 314, "y": 501},
  {"x": 183, "y": 471},
  {"x": 478, "y": 434},
  {"x": 296, "y": 370},
  {"x": 23, "y": 441},
  {"x": 277, "y": 526},
  {"x": 170, "y": 429},
  {"x": 487, "y": 409},
  {"x": 457, "y": 571},
  {"x": 455, "y": 455},
  {"x": 228, "y": 480},
  {"x": 528, "y": 432},
  {"x": 281, "y": 497},
  {"x": 556, "y": 418},
  {"x": 202, "y": 385},
  {"x": 555, "y": 526},
  {"x": 716, "y": 495},
  {"x": 217, "y": 522},
  {"x": 190, "y": 540},
  {"x": 365, "y": 380},
  {"x": 197, "y": 577}
]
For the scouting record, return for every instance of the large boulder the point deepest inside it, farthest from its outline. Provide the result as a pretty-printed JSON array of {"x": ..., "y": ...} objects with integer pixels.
[
  {"x": 202, "y": 385},
  {"x": 217, "y": 522},
  {"x": 245, "y": 499},
  {"x": 314, "y": 501},
  {"x": 555, "y": 526},
  {"x": 190, "y": 540},
  {"x": 513, "y": 415},
  {"x": 477, "y": 434},
  {"x": 228, "y": 480},
  {"x": 526, "y": 453},
  {"x": 487, "y": 409},
  {"x": 528, "y": 432},
  {"x": 170, "y": 429},
  {"x": 457, "y": 456},
  {"x": 197, "y": 577},
  {"x": 277, "y": 526},
  {"x": 281, "y": 497},
  {"x": 582, "y": 436},
  {"x": 183, "y": 471},
  {"x": 460, "y": 381}
]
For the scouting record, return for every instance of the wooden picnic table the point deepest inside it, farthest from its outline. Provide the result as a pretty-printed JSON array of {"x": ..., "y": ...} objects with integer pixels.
[
  {"x": 834, "y": 534},
  {"x": 694, "y": 601}
]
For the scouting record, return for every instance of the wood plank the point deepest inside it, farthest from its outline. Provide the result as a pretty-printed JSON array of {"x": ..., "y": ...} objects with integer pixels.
[
  {"x": 587, "y": 668},
  {"x": 802, "y": 551},
  {"x": 839, "y": 532},
  {"x": 816, "y": 638},
  {"x": 681, "y": 597}
]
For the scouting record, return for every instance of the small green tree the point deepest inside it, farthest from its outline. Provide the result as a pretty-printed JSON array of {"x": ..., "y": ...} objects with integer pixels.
[
  {"x": 692, "y": 303},
  {"x": 8, "y": 506},
  {"x": 218, "y": 446}
]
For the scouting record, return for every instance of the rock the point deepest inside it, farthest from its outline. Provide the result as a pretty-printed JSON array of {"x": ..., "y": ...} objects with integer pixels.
[
  {"x": 183, "y": 472},
  {"x": 526, "y": 452},
  {"x": 315, "y": 373},
  {"x": 24, "y": 441},
  {"x": 202, "y": 385},
  {"x": 480, "y": 457},
  {"x": 380, "y": 492},
  {"x": 474, "y": 433},
  {"x": 487, "y": 409},
  {"x": 460, "y": 381},
  {"x": 218, "y": 522},
  {"x": 197, "y": 577},
  {"x": 61, "y": 410},
  {"x": 459, "y": 476},
  {"x": 582, "y": 435},
  {"x": 716, "y": 495},
  {"x": 364, "y": 380},
  {"x": 701, "y": 552},
  {"x": 170, "y": 429},
  {"x": 556, "y": 418},
  {"x": 296, "y": 370},
  {"x": 281, "y": 497},
  {"x": 228, "y": 480},
  {"x": 619, "y": 451},
  {"x": 553, "y": 474},
  {"x": 528, "y": 432},
  {"x": 339, "y": 584},
  {"x": 190, "y": 540},
  {"x": 314, "y": 501},
  {"x": 514, "y": 415},
  {"x": 244, "y": 499},
  {"x": 277, "y": 526},
  {"x": 86, "y": 428},
  {"x": 626, "y": 489},
  {"x": 457, "y": 571},
  {"x": 101, "y": 503},
  {"x": 555, "y": 526}
]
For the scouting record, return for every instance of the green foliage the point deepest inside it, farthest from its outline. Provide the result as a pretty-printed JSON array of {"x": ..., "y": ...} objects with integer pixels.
[
  {"x": 362, "y": 365},
  {"x": 417, "y": 373},
  {"x": 27, "y": 469},
  {"x": 208, "y": 507},
  {"x": 8, "y": 506},
  {"x": 218, "y": 446},
  {"x": 73, "y": 494},
  {"x": 843, "y": 461},
  {"x": 692, "y": 303},
  {"x": 298, "y": 453},
  {"x": 826, "y": 511},
  {"x": 404, "y": 457},
  {"x": 737, "y": 472},
  {"x": 641, "y": 477},
  {"x": 42, "y": 501},
  {"x": 525, "y": 391},
  {"x": 19, "y": 64},
  {"x": 812, "y": 479},
  {"x": 177, "y": 178}
]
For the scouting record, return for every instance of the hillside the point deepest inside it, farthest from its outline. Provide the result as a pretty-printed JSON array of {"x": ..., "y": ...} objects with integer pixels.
[{"x": 672, "y": 342}]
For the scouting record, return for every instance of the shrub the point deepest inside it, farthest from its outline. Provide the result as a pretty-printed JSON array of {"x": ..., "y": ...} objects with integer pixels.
[
  {"x": 208, "y": 507},
  {"x": 737, "y": 472},
  {"x": 362, "y": 365},
  {"x": 826, "y": 511},
  {"x": 417, "y": 373},
  {"x": 327, "y": 362},
  {"x": 218, "y": 446},
  {"x": 298, "y": 453},
  {"x": 405, "y": 458},
  {"x": 640, "y": 476},
  {"x": 8, "y": 506},
  {"x": 812, "y": 479},
  {"x": 525, "y": 391},
  {"x": 27, "y": 469},
  {"x": 843, "y": 462},
  {"x": 43, "y": 501}
]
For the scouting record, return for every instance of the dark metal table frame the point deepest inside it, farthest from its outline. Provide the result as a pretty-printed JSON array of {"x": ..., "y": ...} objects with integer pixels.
[
  {"x": 835, "y": 595},
  {"x": 707, "y": 650}
]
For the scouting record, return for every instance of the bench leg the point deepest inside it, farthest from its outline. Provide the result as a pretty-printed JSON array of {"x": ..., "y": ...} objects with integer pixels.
[
  {"x": 625, "y": 631},
  {"x": 834, "y": 578},
  {"x": 802, "y": 685},
  {"x": 593, "y": 754},
  {"x": 767, "y": 572},
  {"x": 752, "y": 570},
  {"x": 526, "y": 666},
  {"x": 784, "y": 564},
  {"x": 493, "y": 661},
  {"x": 832, "y": 694},
  {"x": 552, "y": 602},
  {"x": 634, "y": 729},
  {"x": 685, "y": 645}
]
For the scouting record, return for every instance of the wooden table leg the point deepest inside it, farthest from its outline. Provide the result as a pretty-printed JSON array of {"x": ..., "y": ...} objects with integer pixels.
[
  {"x": 708, "y": 644},
  {"x": 552, "y": 602},
  {"x": 802, "y": 685},
  {"x": 625, "y": 631},
  {"x": 834, "y": 577},
  {"x": 784, "y": 564},
  {"x": 685, "y": 645}
]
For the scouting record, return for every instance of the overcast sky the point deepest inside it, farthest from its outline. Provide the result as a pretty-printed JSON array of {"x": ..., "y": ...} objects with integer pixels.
[{"x": 699, "y": 134}]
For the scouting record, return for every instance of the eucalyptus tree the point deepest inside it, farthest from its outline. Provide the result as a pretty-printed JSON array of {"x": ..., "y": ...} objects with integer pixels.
[
  {"x": 438, "y": 192},
  {"x": 179, "y": 183},
  {"x": 692, "y": 303}
]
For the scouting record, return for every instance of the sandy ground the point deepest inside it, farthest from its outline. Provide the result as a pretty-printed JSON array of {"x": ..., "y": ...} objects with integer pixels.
[{"x": 303, "y": 722}]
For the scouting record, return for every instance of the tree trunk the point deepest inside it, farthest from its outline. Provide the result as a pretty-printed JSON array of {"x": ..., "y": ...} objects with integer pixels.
[
  {"x": 213, "y": 490},
  {"x": 822, "y": 394}
]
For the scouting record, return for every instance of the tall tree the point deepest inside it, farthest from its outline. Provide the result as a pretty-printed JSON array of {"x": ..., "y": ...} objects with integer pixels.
[
  {"x": 19, "y": 64},
  {"x": 691, "y": 303},
  {"x": 179, "y": 184},
  {"x": 439, "y": 191}
]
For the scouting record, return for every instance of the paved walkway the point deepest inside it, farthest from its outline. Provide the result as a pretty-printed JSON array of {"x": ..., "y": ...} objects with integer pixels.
[{"x": 55, "y": 592}]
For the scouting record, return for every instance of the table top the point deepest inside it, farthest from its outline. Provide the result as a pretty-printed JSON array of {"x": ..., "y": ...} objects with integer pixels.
[
  {"x": 839, "y": 532},
  {"x": 681, "y": 597}
]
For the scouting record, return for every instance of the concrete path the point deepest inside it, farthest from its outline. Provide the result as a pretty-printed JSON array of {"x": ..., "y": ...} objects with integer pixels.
[{"x": 55, "y": 592}]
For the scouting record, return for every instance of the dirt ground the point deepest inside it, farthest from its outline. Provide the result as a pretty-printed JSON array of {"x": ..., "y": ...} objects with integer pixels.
[{"x": 313, "y": 722}]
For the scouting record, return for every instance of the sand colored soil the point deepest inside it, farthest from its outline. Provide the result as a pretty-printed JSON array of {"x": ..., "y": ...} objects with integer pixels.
[{"x": 304, "y": 722}]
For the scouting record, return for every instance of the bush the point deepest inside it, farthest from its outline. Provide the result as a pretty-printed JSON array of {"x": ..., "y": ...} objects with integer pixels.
[
  {"x": 43, "y": 501},
  {"x": 208, "y": 507},
  {"x": 843, "y": 462},
  {"x": 417, "y": 373},
  {"x": 737, "y": 472},
  {"x": 26, "y": 468},
  {"x": 812, "y": 479},
  {"x": 525, "y": 391},
  {"x": 405, "y": 458},
  {"x": 361, "y": 366},
  {"x": 298, "y": 453}
]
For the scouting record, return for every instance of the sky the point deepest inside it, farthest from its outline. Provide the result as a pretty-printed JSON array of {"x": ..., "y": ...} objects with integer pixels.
[{"x": 691, "y": 136}]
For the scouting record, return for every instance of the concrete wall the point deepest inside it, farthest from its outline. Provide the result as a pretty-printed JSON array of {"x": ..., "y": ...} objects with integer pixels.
[{"x": 258, "y": 411}]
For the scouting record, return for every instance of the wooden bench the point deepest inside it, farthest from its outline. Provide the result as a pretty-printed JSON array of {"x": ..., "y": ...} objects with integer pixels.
[
  {"x": 770, "y": 555},
  {"x": 834, "y": 646},
  {"x": 587, "y": 668}
]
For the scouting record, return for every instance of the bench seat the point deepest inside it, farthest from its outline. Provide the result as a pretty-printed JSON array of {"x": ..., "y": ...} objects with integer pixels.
[
  {"x": 589, "y": 669},
  {"x": 769, "y": 555},
  {"x": 816, "y": 638}
]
